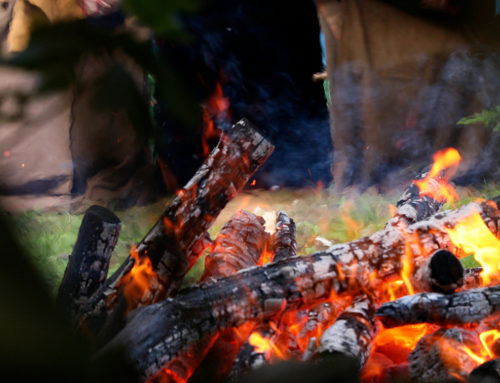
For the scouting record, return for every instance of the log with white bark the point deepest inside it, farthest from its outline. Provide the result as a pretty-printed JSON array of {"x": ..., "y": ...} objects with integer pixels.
[
  {"x": 178, "y": 238},
  {"x": 284, "y": 241},
  {"x": 443, "y": 273},
  {"x": 261, "y": 293},
  {"x": 352, "y": 332},
  {"x": 453, "y": 309}
]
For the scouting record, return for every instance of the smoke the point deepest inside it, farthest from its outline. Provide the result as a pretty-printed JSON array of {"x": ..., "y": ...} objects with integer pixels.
[{"x": 265, "y": 66}]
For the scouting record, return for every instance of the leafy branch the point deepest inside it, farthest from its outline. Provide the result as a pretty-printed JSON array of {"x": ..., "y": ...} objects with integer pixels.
[{"x": 487, "y": 117}]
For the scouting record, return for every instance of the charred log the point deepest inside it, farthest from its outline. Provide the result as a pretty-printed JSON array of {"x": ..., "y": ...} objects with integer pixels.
[
  {"x": 440, "y": 358},
  {"x": 413, "y": 207},
  {"x": 284, "y": 241},
  {"x": 459, "y": 308},
  {"x": 284, "y": 246},
  {"x": 352, "y": 332},
  {"x": 88, "y": 264},
  {"x": 443, "y": 273},
  {"x": 178, "y": 238},
  {"x": 240, "y": 244},
  {"x": 260, "y": 293},
  {"x": 472, "y": 278}
]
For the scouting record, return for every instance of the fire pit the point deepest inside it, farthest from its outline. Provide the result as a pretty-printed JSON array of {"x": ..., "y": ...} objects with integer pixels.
[{"x": 398, "y": 301}]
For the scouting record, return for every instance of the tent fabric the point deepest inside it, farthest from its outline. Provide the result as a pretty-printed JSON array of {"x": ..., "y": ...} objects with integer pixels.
[
  {"x": 399, "y": 83},
  {"x": 63, "y": 150}
]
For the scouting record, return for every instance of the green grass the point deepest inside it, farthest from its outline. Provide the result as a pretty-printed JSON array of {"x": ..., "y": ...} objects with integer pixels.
[{"x": 49, "y": 236}]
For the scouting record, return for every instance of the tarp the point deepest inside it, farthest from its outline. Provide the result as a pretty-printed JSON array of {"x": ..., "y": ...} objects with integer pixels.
[
  {"x": 62, "y": 149},
  {"x": 400, "y": 81}
]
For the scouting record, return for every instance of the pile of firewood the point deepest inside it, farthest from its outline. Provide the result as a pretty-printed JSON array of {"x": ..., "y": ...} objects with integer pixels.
[{"x": 255, "y": 289}]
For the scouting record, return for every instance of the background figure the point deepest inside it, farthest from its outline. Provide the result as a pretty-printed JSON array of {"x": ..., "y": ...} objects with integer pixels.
[{"x": 402, "y": 74}]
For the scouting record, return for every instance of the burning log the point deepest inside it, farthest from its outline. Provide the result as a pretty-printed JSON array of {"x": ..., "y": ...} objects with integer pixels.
[
  {"x": 176, "y": 241},
  {"x": 414, "y": 206},
  {"x": 260, "y": 293},
  {"x": 249, "y": 357},
  {"x": 240, "y": 244},
  {"x": 472, "y": 278},
  {"x": 453, "y": 309},
  {"x": 284, "y": 242},
  {"x": 88, "y": 264},
  {"x": 444, "y": 272},
  {"x": 284, "y": 246},
  {"x": 352, "y": 332},
  {"x": 440, "y": 357}
]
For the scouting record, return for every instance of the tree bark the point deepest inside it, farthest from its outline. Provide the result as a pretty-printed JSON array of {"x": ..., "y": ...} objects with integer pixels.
[
  {"x": 284, "y": 241},
  {"x": 177, "y": 239},
  {"x": 88, "y": 264},
  {"x": 454, "y": 309},
  {"x": 352, "y": 332},
  {"x": 260, "y": 293}
]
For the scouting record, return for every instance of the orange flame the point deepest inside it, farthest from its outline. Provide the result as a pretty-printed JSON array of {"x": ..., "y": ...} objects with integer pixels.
[
  {"x": 138, "y": 281},
  {"x": 444, "y": 160},
  {"x": 353, "y": 227},
  {"x": 216, "y": 107},
  {"x": 472, "y": 236},
  {"x": 391, "y": 347},
  {"x": 264, "y": 345}
]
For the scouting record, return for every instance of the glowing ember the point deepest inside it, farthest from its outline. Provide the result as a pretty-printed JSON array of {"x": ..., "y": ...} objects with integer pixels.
[
  {"x": 472, "y": 236},
  {"x": 264, "y": 345},
  {"x": 139, "y": 280},
  {"x": 488, "y": 338},
  {"x": 445, "y": 165},
  {"x": 391, "y": 347}
]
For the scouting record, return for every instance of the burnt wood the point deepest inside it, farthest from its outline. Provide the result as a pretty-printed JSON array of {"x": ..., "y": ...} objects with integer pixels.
[
  {"x": 472, "y": 278},
  {"x": 88, "y": 264},
  {"x": 240, "y": 244},
  {"x": 178, "y": 238},
  {"x": 460, "y": 308},
  {"x": 352, "y": 332},
  {"x": 439, "y": 358},
  {"x": 284, "y": 238},
  {"x": 446, "y": 272},
  {"x": 260, "y": 293}
]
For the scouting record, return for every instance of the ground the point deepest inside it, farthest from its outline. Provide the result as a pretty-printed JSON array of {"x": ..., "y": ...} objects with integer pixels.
[{"x": 320, "y": 215}]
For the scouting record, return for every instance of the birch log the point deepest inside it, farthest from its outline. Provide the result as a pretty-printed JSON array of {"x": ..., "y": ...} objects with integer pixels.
[{"x": 352, "y": 332}]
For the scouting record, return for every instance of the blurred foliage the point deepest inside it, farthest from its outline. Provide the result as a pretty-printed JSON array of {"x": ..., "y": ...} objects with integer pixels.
[{"x": 488, "y": 117}]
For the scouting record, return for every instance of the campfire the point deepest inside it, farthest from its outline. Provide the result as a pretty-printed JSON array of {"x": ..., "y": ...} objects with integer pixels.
[{"x": 398, "y": 301}]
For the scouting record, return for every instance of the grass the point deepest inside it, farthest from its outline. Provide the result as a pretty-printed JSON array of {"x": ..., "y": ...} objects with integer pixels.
[{"x": 320, "y": 216}]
